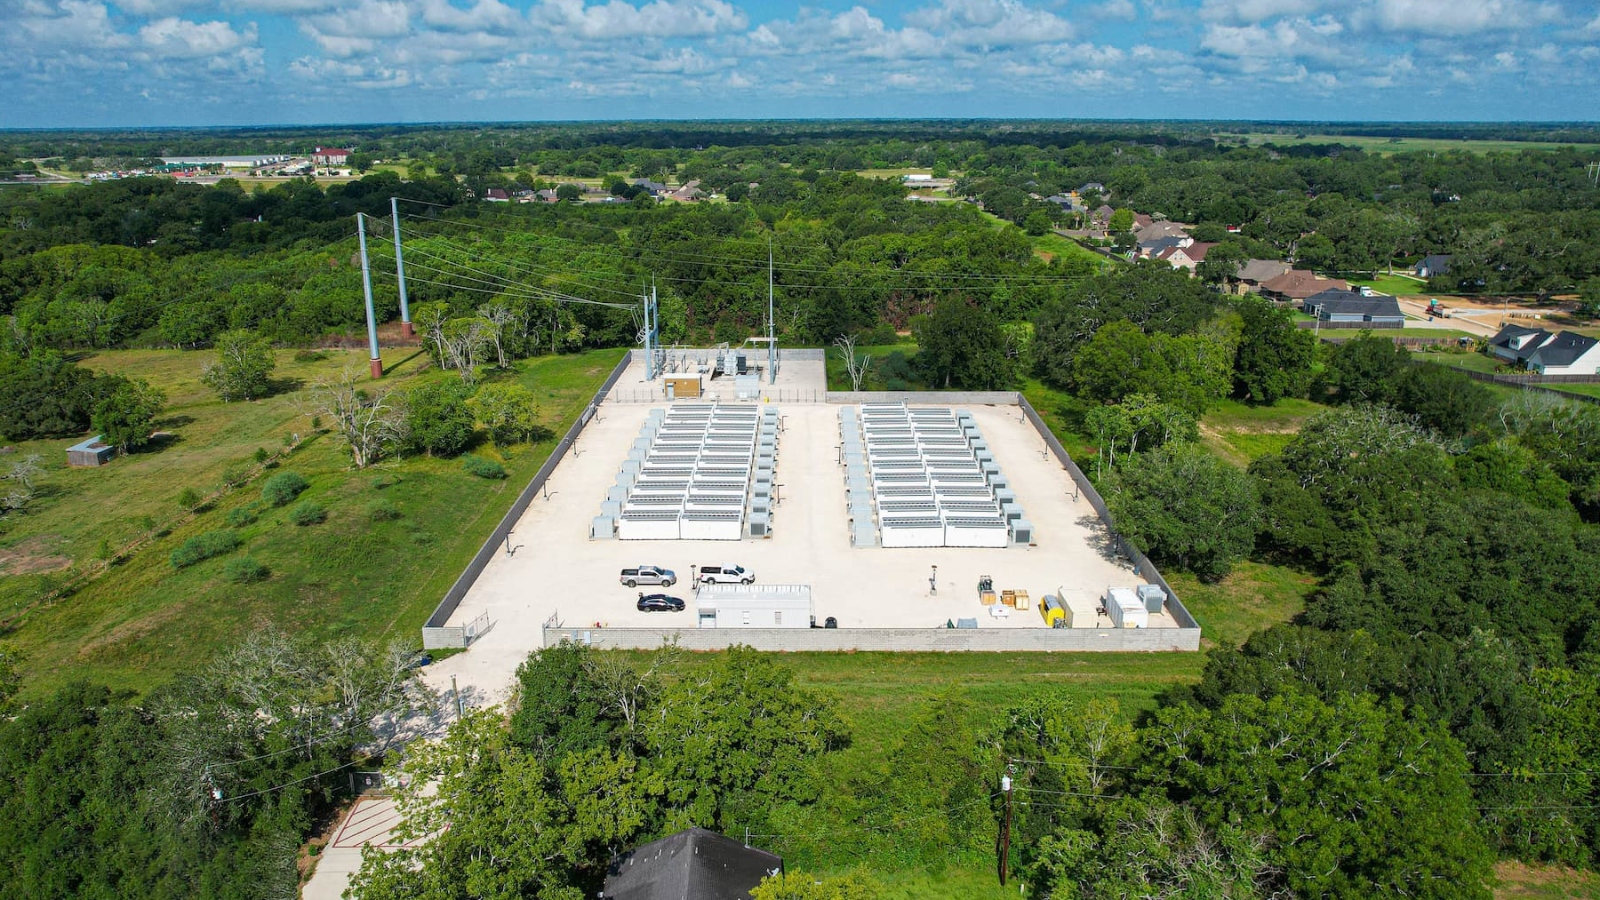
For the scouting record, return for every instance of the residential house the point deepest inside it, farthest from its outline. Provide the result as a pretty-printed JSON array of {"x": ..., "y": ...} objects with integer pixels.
[
  {"x": 1186, "y": 256},
  {"x": 1150, "y": 230},
  {"x": 1068, "y": 202},
  {"x": 1296, "y": 285},
  {"x": 1094, "y": 186},
  {"x": 1140, "y": 220},
  {"x": 330, "y": 156},
  {"x": 1344, "y": 308},
  {"x": 1256, "y": 271},
  {"x": 1159, "y": 245},
  {"x": 497, "y": 195},
  {"x": 1562, "y": 353},
  {"x": 691, "y": 865},
  {"x": 1102, "y": 216},
  {"x": 690, "y": 191},
  {"x": 1431, "y": 265},
  {"x": 548, "y": 195},
  {"x": 655, "y": 188}
]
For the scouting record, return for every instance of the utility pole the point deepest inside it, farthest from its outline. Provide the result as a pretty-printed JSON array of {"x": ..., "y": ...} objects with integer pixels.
[
  {"x": 1005, "y": 829},
  {"x": 461, "y": 711},
  {"x": 400, "y": 271},
  {"x": 772, "y": 343},
  {"x": 376, "y": 363},
  {"x": 655, "y": 328},
  {"x": 649, "y": 358}
]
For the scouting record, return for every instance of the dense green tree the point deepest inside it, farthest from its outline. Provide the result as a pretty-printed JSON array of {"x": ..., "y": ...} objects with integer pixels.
[
  {"x": 1151, "y": 295},
  {"x": 1274, "y": 357},
  {"x": 510, "y": 413},
  {"x": 1365, "y": 369},
  {"x": 1183, "y": 506},
  {"x": 561, "y": 708},
  {"x": 1359, "y": 799},
  {"x": 438, "y": 420},
  {"x": 961, "y": 347},
  {"x": 734, "y": 737},
  {"x": 1444, "y": 399},
  {"x": 46, "y": 396},
  {"x": 243, "y": 368},
  {"x": 125, "y": 416}
]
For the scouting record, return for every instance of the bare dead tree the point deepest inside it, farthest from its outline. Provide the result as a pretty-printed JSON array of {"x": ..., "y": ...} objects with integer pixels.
[
  {"x": 369, "y": 420},
  {"x": 856, "y": 365},
  {"x": 498, "y": 314}
]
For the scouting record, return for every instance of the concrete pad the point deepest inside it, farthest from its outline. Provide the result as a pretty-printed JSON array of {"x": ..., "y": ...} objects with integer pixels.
[
  {"x": 557, "y": 574},
  {"x": 370, "y": 821}
]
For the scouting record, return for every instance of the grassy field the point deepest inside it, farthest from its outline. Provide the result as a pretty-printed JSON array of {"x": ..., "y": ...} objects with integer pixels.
[
  {"x": 1240, "y": 432},
  {"x": 1472, "y": 362},
  {"x": 1519, "y": 881},
  {"x": 143, "y": 621},
  {"x": 1049, "y": 246},
  {"x": 1386, "y": 145},
  {"x": 1253, "y": 596},
  {"x": 1398, "y": 285}
]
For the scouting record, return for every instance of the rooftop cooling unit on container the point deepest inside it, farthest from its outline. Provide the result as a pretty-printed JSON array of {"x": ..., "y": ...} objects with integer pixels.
[
  {"x": 602, "y": 528},
  {"x": 760, "y": 525},
  {"x": 1153, "y": 596},
  {"x": 1022, "y": 532}
]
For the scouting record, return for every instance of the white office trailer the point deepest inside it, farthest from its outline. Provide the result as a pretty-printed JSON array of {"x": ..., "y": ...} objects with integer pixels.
[
  {"x": 1126, "y": 609},
  {"x": 754, "y": 606},
  {"x": 930, "y": 479},
  {"x": 695, "y": 474}
]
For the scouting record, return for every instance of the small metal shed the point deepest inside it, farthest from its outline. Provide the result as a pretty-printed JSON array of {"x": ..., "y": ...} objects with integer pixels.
[{"x": 90, "y": 453}]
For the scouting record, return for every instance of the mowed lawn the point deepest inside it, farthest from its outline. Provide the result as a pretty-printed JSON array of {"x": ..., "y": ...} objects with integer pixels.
[{"x": 143, "y": 621}]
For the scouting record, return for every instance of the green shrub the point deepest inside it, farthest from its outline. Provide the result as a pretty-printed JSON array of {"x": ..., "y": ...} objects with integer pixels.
[
  {"x": 260, "y": 455},
  {"x": 282, "y": 488},
  {"x": 421, "y": 538},
  {"x": 189, "y": 498},
  {"x": 483, "y": 468},
  {"x": 308, "y": 512},
  {"x": 383, "y": 511},
  {"x": 310, "y": 356},
  {"x": 204, "y": 546},
  {"x": 244, "y": 515},
  {"x": 245, "y": 570}
]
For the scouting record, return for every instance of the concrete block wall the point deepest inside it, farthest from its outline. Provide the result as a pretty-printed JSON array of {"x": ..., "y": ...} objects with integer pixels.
[
  {"x": 926, "y": 398},
  {"x": 898, "y": 640}
]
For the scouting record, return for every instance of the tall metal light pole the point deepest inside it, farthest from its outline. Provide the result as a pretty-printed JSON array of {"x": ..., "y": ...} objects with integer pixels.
[
  {"x": 376, "y": 364},
  {"x": 772, "y": 343},
  {"x": 400, "y": 271}
]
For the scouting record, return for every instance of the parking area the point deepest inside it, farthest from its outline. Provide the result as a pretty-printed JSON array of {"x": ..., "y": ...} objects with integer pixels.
[{"x": 554, "y": 573}]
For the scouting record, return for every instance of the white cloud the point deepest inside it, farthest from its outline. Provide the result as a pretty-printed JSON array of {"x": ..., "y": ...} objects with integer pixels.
[
  {"x": 1251, "y": 12},
  {"x": 485, "y": 15},
  {"x": 1115, "y": 9},
  {"x": 659, "y": 18},
  {"x": 1460, "y": 17},
  {"x": 991, "y": 23},
  {"x": 173, "y": 38}
]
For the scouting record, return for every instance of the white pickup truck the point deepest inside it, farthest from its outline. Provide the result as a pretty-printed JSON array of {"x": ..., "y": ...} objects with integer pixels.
[{"x": 726, "y": 575}]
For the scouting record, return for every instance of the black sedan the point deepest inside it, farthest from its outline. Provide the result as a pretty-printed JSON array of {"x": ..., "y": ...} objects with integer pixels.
[{"x": 659, "y": 603}]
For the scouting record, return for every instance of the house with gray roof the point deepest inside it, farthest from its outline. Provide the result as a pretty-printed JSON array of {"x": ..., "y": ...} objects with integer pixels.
[
  {"x": 1537, "y": 350},
  {"x": 1431, "y": 265},
  {"x": 691, "y": 865},
  {"x": 1337, "y": 308}
]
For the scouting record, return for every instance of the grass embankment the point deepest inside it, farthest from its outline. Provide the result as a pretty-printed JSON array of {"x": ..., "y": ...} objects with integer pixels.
[
  {"x": 1520, "y": 881},
  {"x": 355, "y": 574}
]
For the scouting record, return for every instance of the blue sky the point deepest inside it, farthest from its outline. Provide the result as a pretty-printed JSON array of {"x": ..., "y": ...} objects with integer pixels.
[{"x": 200, "y": 62}]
